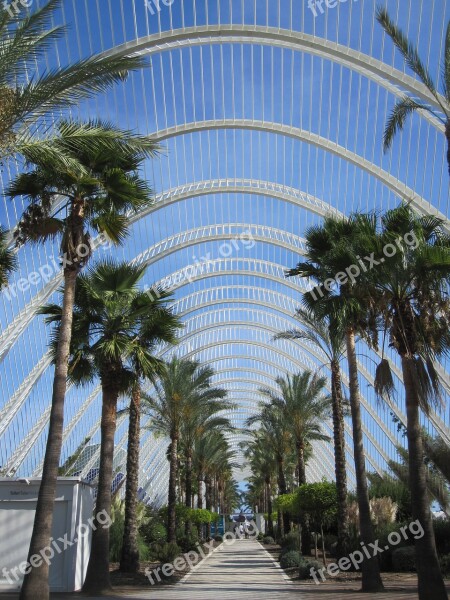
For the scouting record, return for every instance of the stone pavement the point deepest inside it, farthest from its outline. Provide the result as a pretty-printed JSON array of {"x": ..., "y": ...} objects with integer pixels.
[{"x": 244, "y": 570}]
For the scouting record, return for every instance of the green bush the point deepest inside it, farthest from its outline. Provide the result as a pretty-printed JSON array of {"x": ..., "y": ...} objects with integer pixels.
[
  {"x": 404, "y": 559},
  {"x": 444, "y": 562},
  {"x": 290, "y": 559},
  {"x": 305, "y": 567},
  {"x": 218, "y": 538},
  {"x": 291, "y": 541},
  {"x": 442, "y": 536},
  {"x": 189, "y": 542},
  {"x": 154, "y": 532},
  {"x": 268, "y": 540},
  {"x": 167, "y": 553},
  {"x": 260, "y": 537},
  {"x": 382, "y": 533},
  {"x": 330, "y": 541}
]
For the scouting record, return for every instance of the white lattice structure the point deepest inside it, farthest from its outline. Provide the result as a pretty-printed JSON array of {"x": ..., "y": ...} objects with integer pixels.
[{"x": 269, "y": 119}]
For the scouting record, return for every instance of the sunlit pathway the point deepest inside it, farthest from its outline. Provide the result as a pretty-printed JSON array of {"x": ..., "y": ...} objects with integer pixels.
[
  {"x": 246, "y": 571},
  {"x": 242, "y": 569}
]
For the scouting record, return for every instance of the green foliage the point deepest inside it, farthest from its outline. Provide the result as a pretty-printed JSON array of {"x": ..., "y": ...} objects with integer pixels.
[
  {"x": 188, "y": 542},
  {"x": 442, "y": 535},
  {"x": 260, "y": 537},
  {"x": 274, "y": 516},
  {"x": 318, "y": 500},
  {"x": 116, "y": 534},
  {"x": 382, "y": 534},
  {"x": 201, "y": 516},
  {"x": 154, "y": 531},
  {"x": 287, "y": 503},
  {"x": 291, "y": 541},
  {"x": 290, "y": 559},
  {"x": 268, "y": 540},
  {"x": 382, "y": 486},
  {"x": 167, "y": 552},
  {"x": 218, "y": 538},
  {"x": 305, "y": 567},
  {"x": 444, "y": 562},
  {"x": 404, "y": 559}
]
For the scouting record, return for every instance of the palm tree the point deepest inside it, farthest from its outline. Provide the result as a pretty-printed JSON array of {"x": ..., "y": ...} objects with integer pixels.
[
  {"x": 111, "y": 333},
  {"x": 331, "y": 249},
  {"x": 26, "y": 97},
  {"x": 157, "y": 328},
  {"x": 94, "y": 200},
  {"x": 200, "y": 416},
  {"x": 183, "y": 388},
  {"x": 407, "y": 105},
  {"x": 263, "y": 465},
  {"x": 8, "y": 261},
  {"x": 330, "y": 340},
  {"x": 411, "y": 292},
  {"x": 278, "y": 440},
  {"x": 304, "y": 407}
]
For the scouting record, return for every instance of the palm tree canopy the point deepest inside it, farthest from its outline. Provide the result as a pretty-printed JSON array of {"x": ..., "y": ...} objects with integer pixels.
[
  {"x": 115, "y": 324},
  {"x": 8, "y": 261},
  {"x": 303, "y": 404},
  {"x": 183, "y": 390},
  {"x": 107, "y": 183},
  {"x": 26, "y": 96}
]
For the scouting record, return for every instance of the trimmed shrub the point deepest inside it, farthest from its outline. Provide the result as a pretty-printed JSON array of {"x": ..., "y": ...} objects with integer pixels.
[
  {"x": 404, "y": 559},
  {"x": 290, "y": 559},
  {"x": 268, "y": 540},
  {"x": 218, "y": 538},
  {"x": 305, "y": 567},
  {"x": 167, "y": 553},
  {"x": 188, "y": 542},
  {"x": 260, "y": 537},
  {"x": 291, "y": 541}
]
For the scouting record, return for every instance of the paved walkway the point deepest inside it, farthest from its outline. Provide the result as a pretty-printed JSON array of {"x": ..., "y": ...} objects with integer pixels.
[
  {"x": 245, "y": 571},
  {"x": 239, "y": 570}
]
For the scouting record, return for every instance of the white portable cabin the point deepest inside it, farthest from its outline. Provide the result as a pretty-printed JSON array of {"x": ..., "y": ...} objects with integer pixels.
[{"x": 71, "y": 523}]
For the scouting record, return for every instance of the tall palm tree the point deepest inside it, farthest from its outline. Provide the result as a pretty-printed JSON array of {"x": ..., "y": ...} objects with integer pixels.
[
  {"x": 96, "y": 199},
  {"x": 305, "y": 408},
  {"x": 8, "y": 261},
  {"x": 411, "y": 292},
  {"x": 407, "y": 105},
  {"x": 184, "y": 386},
  {"x": 263, "y": 465},
  {"x": 278, "y": 439},
  {"x": 333, "y": 247},
  {"x": 330, "y": 340},
  {"x": 157, "y": 328},
  {"x": 26, "y": 97},
  {"x": 201, "y": 416},
  {"x": 111, "y": 331}
]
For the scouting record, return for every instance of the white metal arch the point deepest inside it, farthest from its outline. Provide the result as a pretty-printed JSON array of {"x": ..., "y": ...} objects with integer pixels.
[
  {"x": 400, "y": 189},
  {"x": 391, "y": 79}
]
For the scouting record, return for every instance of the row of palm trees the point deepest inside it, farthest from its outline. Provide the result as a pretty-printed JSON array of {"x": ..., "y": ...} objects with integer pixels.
[
  {"x": 84, "y": 180},
  {"x": 404, "y": 297},
  {"x": 289, "y": 419}
]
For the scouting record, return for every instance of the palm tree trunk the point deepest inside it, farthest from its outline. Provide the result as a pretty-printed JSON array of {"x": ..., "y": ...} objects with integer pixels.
[
  {"x": 269, "y": 509},
  {"x": 431, "y": 583},
  {"x": 370, "y": 569},
  {"x": 283, "y": 490},
  {"x": 129, "y": 561},
  {"x": 35, "y": 584},
  {"x": 172, "y": 497},
  {"x": 339, "y": 459},
  {"x": 199, "y": 503},
  {"x": 208, "y": 505},
  {"x": 447, "y": 136},
  {"x": 97, "y": 576},
  {"x": 301, "y": 463},
  {"x": 188, "y": 485}
]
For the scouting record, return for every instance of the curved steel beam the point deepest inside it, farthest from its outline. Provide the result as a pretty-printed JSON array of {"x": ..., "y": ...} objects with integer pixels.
[
  {"x": 384, "y": 75},
  {"x": 400, "y": 189}
]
